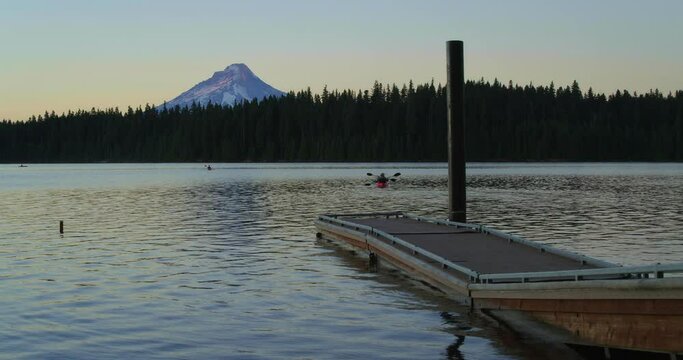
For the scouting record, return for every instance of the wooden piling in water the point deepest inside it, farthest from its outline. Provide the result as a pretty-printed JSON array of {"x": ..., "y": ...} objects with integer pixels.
[
  {"x": 456, "y": 132},
  {"x": 61, "y": 227}
]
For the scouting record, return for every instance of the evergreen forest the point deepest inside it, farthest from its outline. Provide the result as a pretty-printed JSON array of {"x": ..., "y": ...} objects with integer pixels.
[{"x": 386, "y": 123}]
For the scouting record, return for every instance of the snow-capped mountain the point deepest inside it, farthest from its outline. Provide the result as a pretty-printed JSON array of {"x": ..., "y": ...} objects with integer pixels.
[{"x": 233, "y": 85}]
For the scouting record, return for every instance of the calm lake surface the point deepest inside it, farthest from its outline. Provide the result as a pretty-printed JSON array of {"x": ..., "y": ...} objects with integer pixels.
[{"x": 170, "y": 261}]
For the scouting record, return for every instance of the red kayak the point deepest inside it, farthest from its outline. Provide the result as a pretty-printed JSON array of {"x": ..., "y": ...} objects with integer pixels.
[{"x": 381, "y": 181}]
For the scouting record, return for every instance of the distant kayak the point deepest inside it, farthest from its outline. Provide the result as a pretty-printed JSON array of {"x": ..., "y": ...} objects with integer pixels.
[{"x": 382, "y": 181}]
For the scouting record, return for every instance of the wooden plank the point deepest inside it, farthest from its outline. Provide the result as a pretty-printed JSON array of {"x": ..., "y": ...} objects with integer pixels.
[
  {"x": 639, "y": 332},
  {"x": 589, "y": 306}
]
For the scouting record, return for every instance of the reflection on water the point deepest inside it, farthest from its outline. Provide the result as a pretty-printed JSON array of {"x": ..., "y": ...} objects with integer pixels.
[
  {"x": 172, "y": 261},
  {"x": 453, "y": 350}
]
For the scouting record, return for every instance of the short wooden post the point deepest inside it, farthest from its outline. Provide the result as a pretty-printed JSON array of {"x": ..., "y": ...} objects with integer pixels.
[{"x": 61, "y": 227}]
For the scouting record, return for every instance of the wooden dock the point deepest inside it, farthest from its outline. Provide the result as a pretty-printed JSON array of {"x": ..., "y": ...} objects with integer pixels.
[{"x": 600, "y": 303}]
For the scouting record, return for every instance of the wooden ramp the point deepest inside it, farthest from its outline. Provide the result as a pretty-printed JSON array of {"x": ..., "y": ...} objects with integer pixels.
[{"x": 636, "y": 308}]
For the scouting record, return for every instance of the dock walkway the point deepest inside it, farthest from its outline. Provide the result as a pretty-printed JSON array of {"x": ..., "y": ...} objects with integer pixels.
[
  {"x": 471, "y": 253},
  {"x": 480, "y": 252},
  {"x": 636, "y": 307}
]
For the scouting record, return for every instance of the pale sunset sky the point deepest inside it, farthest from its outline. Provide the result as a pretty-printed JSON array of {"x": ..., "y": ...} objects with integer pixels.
[{"x": 78, "y": 54}]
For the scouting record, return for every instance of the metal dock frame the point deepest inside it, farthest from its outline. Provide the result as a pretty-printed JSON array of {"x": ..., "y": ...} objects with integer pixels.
[{"x": 605, "y": 270}]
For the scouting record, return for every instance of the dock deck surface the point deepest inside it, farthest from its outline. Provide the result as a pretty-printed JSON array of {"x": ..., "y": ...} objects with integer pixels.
[
  {"x": 634, "y": 307},
  {"x": 484, "y": 253}
]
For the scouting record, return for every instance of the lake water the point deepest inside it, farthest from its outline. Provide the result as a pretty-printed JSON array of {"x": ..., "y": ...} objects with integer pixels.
[{"x": 170, "y": 261}]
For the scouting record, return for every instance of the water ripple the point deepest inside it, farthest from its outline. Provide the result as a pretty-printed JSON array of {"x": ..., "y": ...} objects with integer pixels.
[{"x": 170, "y": 261}]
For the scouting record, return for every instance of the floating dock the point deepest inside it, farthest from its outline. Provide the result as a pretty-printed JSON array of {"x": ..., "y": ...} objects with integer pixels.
[{"x": 602, "y": 304}]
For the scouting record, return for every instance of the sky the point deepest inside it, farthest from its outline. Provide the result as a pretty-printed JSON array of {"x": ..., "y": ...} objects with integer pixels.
[{"x": 78, "y": 54}]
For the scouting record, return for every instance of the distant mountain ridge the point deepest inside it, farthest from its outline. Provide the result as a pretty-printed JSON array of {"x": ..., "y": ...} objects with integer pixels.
[{"x": 233, "y": 85}]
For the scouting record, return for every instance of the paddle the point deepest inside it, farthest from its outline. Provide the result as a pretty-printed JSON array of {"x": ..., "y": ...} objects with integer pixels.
[
  {"x": 390, "y": 179},
  {"x": 397, "y": 174}
]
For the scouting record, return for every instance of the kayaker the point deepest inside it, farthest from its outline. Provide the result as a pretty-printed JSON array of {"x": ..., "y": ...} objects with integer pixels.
[{"x": 381, "y": 178}]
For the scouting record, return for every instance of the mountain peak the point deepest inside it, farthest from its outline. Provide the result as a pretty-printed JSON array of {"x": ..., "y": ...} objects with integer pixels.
[
  {"x": 235, "y": 84},
  {"x": 238, "y": 66},
  {"x": 238, "y": 70}
]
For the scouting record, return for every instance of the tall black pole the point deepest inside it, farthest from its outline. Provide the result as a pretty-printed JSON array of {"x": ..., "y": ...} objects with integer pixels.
[{"x": 456, "y": 132}]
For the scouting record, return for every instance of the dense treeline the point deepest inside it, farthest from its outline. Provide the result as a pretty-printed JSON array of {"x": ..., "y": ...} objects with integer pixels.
[{"x": 386, "y": 123}]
